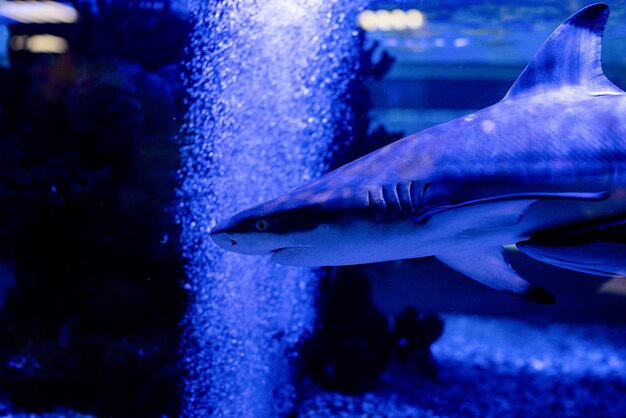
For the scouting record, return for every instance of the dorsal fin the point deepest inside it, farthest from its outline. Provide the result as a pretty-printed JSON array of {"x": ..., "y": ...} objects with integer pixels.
[{"x": 570, "y": 57}]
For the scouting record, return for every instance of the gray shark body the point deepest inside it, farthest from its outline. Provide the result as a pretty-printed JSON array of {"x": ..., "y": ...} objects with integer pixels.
[{"x": 545, "y": 168}]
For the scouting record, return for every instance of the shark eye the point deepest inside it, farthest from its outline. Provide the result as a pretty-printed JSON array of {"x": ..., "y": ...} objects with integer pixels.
[{"x": 261, "y": 225}]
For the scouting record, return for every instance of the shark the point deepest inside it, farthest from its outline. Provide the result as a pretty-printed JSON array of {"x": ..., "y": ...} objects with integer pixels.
[{"x": 542, "y": 171}]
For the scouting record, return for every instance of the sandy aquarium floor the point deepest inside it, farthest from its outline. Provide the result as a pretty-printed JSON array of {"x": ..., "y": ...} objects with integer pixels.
[
  {"x": 487, "y": 367},
  {"x": 499, "y": 368}
]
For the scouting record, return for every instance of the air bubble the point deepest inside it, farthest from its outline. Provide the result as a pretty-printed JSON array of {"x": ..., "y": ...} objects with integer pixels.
[{"x": 251, "y": 134}]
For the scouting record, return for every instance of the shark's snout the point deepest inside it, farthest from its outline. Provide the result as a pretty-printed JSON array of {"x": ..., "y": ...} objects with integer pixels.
[
  {"x": 222, "y": 235},
  {"x": 228, "y": 235},
  {"x": 223, "y": 240}
]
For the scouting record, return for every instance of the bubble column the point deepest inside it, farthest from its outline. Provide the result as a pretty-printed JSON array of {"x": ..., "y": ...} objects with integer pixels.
[{"x": 266, "y": 82}]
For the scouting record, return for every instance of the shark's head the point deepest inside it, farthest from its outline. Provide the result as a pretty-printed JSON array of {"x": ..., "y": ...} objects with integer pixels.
[
  {"x": 264, "y": 229},
  {"x": 293, "y": 228}
]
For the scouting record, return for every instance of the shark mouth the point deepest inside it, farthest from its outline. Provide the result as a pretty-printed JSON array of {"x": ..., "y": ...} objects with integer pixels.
[
  {"x": 290, "y": 256},
  {"x": 279, "y": 250}
]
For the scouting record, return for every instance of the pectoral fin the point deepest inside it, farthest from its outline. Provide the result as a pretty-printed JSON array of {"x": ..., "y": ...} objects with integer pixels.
[{"x": 488, "y": 266}]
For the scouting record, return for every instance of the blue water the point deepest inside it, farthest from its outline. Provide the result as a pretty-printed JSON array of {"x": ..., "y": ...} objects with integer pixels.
[
  {"x": 92, "y": 286},
  {"x": 265, "y": 82}
]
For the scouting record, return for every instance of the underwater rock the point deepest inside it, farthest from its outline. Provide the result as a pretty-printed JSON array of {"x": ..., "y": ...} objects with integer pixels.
[
  {"x": 413, "y": 335},
  {"x": 495, "y": 367},
  {"x": 92, "y": 321},
  {"x": 105, "y": 118},
  {"x": 352, "y": 343},
  {"x": 94, "y": 374}
]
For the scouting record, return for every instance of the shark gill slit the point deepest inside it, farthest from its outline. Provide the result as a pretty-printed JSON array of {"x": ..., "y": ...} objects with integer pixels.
[
  {"x": 392, "y": 200},
  {"x": 413, "y": 196},
  {"x": 424, "y": 188},
  {"x": 376, "y": 202},
  {"x": 404, "y": 196},
  {"x": 398, "y": 198},
  {"x": 385, "y": 204}
]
